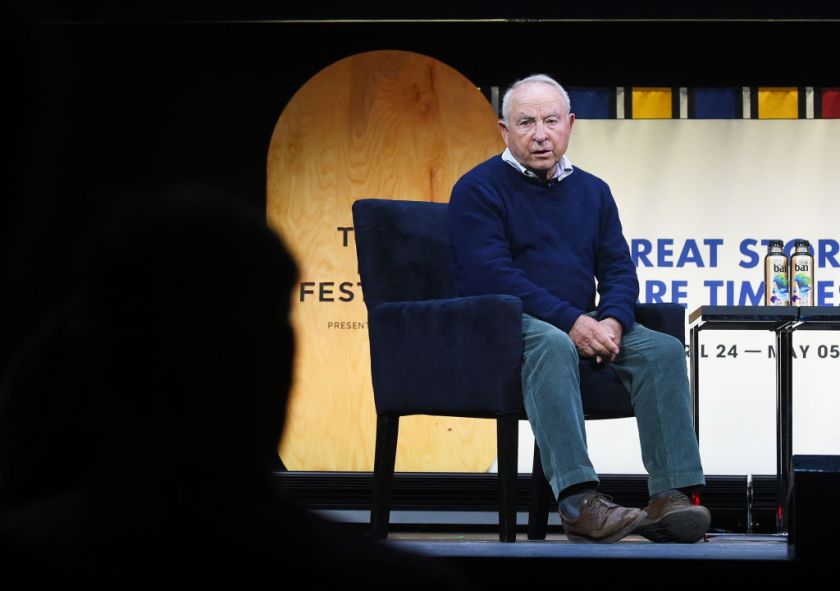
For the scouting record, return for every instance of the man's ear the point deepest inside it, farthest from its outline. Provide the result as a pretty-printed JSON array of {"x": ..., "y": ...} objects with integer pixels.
[{"x": 505, "y": 131}]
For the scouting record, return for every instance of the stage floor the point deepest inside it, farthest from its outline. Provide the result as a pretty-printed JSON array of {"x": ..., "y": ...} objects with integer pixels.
[
  {"x": 486, "y": 545},
  {"x": 722, "y": 559}
]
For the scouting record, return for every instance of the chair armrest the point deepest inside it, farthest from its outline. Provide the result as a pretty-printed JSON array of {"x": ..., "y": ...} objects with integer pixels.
[
  {"x": 667, "y": 318},
  {"x": 457, "y": 356}
]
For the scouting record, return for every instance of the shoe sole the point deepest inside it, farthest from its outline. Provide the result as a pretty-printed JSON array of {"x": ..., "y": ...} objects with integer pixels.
[
  {"x": 626, "y": 530},
  {"x": 684, "y": 526}
]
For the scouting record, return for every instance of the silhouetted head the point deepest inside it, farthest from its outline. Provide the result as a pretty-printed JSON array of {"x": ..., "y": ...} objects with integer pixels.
[{"x": 189, "y": 298}]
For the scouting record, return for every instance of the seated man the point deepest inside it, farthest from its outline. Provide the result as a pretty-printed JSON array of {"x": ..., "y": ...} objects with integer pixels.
[{"x": 527, "y": 223}]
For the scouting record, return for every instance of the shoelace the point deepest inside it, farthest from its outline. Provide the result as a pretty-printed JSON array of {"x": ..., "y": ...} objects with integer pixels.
[{"x": 601, "y": 503}]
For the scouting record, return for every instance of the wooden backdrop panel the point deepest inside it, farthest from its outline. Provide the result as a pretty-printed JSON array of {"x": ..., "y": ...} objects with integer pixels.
[{"x": 385, "y": 124}]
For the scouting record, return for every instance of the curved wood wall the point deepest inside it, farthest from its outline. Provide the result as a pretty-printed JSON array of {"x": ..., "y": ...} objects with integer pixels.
[{"x": 385, "y": 124}]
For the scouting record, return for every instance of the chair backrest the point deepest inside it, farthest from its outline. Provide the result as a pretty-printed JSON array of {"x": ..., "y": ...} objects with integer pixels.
[{"x": 403, "y": 250}]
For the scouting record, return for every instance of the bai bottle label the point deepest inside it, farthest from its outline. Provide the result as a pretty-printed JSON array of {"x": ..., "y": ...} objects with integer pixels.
[
  {"x": 776, "y": 275},
  {"x": 801, "y": 275}
]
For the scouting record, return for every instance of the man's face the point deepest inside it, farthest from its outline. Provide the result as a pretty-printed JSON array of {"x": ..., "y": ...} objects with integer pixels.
[{"x": 538, "y": 127}]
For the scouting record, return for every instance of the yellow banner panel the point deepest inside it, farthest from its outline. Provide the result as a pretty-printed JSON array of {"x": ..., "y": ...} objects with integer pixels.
[
  {"x": 781, "y": 102},
  {"x": 651, "y": 103}
]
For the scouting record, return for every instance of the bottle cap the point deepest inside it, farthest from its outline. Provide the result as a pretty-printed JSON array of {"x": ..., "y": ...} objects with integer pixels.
[
  {"x": 801, "y": 242},
  {"x": 775, "y": 243}
]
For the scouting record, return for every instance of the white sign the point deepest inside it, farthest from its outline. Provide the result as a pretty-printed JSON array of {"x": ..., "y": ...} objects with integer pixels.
[{"x": 698, "y": 200}]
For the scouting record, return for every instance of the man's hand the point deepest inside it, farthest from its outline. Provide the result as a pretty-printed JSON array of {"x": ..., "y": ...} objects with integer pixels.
[
  {"x": 596, "y": 339},
  {"x": 614, "y": 326}
]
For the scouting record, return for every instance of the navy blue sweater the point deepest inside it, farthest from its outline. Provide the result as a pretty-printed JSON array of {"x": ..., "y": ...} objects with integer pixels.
[{"x": 544, "y": 243}]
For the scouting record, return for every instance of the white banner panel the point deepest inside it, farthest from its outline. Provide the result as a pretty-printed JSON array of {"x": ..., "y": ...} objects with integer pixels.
[{"x": 698, "y": 200}]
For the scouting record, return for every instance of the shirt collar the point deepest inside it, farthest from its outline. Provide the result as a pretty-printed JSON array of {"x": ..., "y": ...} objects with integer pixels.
[{"x": 564, "y": 167}]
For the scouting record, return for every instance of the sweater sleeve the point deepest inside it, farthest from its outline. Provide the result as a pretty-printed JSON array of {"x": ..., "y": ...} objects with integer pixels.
[
  {"x": 481, "y": 255},
  {"x": 618, "y": 285}
]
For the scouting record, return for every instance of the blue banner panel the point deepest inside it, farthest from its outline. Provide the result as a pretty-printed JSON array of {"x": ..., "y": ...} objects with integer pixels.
[
  {"x": 716, "y": 103},
  {"x": 593, "y": 102}
]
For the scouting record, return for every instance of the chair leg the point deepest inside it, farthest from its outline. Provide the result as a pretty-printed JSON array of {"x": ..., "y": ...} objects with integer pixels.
[
  {"x": 507, "y": 442},
  {"x": 387, "y": 430},
  {"x": 540, "y": 498}
]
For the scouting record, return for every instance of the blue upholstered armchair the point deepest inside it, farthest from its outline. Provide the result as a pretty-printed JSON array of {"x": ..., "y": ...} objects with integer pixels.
[{"x": 437, "y": 354}]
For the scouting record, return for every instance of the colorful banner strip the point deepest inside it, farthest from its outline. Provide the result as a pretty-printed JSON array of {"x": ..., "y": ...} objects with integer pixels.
[{"x": 642, "y": 102}]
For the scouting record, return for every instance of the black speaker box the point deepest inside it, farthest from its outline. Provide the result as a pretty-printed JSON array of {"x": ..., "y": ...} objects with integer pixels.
[{"x": 814, "y": 505}]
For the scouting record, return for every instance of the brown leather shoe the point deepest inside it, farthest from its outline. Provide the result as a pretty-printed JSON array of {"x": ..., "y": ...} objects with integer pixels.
[
  {"x": 672, "y": 518},
  {"x": 600, "y": 520}
]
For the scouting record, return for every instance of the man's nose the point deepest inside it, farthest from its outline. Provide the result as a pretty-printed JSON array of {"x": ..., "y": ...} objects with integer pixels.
[{"x": 539, "y": 133}]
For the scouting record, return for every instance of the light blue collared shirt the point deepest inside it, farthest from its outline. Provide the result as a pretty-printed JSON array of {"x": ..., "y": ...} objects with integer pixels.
[{"x": 564, "y": 167}]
